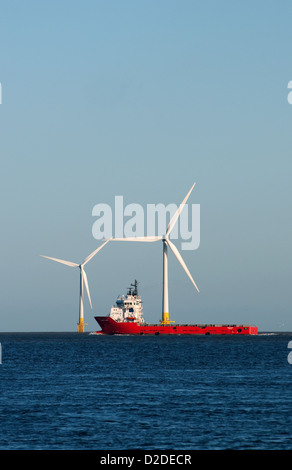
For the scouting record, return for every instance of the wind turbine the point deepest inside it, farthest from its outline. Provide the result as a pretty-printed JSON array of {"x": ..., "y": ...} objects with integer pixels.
[
  {"x": 166, "y": 243},
  {"x": 83, "y": 278}
]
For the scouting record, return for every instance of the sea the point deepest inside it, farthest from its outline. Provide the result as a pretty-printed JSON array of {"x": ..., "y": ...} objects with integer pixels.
[{"x": 70, "y": 391}]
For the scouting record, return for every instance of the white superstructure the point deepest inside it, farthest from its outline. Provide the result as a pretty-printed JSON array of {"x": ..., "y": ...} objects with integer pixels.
[{"x": 128, "y": 308}]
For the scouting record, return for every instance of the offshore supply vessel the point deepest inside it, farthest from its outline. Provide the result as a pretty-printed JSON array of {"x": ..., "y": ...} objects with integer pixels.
[{"x": 126, "y": 318}]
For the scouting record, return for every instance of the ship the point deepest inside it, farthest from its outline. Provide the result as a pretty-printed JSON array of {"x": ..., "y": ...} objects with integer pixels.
[{"x": 126, "y": 318}]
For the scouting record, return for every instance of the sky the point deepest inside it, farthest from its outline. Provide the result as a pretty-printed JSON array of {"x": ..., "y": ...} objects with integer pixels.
[{"x": 141, "y": 99}]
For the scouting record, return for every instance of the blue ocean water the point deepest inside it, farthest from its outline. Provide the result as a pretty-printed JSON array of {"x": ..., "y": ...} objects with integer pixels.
[{"x": 80, "y": 391}]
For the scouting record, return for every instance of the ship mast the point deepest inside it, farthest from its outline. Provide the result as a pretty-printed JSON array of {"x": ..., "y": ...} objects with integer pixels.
[{"x": 135, "y": 286}]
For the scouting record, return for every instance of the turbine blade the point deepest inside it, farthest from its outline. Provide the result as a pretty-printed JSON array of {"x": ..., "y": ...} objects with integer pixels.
[
  {"x": 94, "y": 253},
  {"x": 137, "y": 239},
  {"x": 86, "y": 284},
  {"x": 177, "y": 214},
  {"x": 178, "y": 255},
  {"x": 68, "y": 263}
]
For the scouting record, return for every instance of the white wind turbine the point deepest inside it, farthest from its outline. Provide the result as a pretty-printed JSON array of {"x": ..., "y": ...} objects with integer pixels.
[
  {"x": 83, "y": 278},
  {"x": 166, "y": 243}
]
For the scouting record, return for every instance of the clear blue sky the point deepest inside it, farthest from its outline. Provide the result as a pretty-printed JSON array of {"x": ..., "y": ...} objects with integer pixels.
[{"x": 141, "y": 99}]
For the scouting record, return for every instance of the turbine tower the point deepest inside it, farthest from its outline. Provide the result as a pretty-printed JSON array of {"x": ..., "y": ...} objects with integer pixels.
[
  {"x": 83, "y": 279},
  {"x": 166, "y": 243}
]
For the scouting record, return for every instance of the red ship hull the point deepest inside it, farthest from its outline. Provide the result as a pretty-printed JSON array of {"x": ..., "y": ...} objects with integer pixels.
[{"x": 112, "y": 327}]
